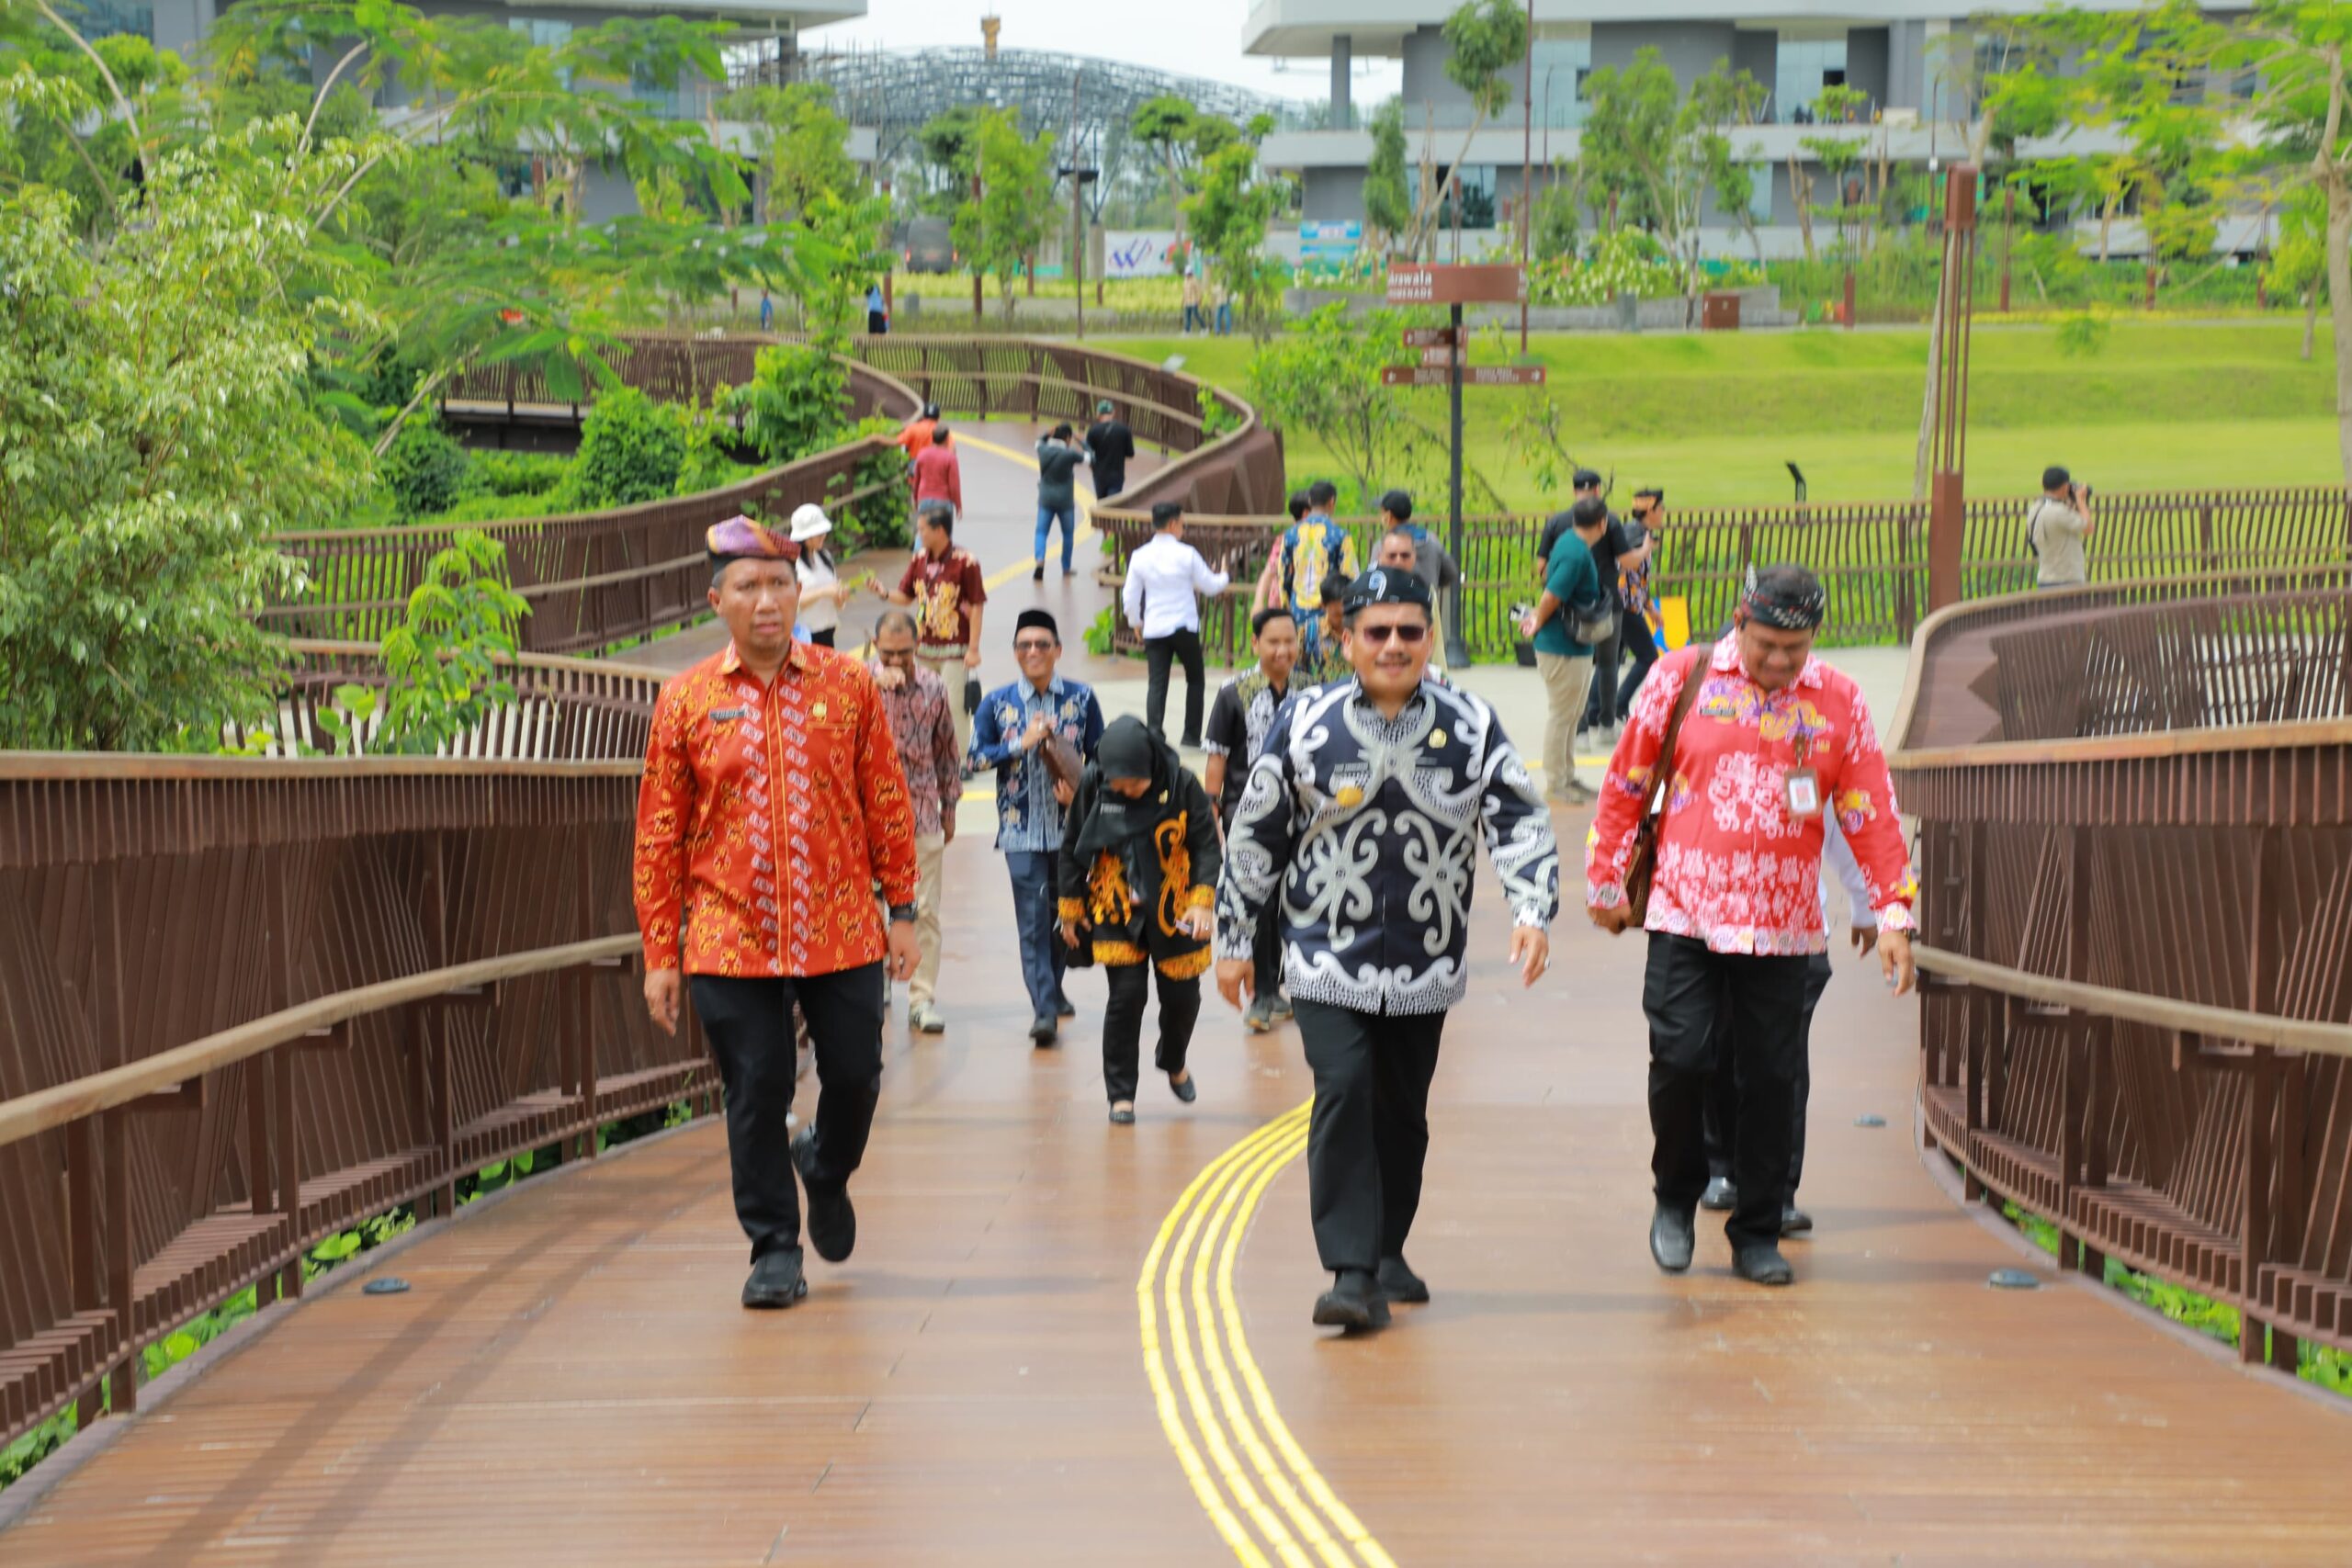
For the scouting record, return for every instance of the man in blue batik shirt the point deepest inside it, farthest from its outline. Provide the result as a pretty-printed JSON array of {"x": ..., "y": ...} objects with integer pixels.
[
  {"x": 1360, "y": 823},
  {"x": 1009, "y": 734}
]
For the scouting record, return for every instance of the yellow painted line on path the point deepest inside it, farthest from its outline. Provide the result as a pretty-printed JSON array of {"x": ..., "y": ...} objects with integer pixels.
[{"x": 1246, "y": 1468}]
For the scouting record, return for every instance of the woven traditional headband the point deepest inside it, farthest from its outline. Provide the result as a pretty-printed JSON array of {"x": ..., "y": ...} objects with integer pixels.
[
  {"x": 740, "y": 538},
  {"x": 1784, "y": 610}
]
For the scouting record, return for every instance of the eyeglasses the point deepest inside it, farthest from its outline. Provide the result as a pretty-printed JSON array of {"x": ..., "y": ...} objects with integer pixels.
[
  {"x": 1033, "y": 645},
  {"x": 1406, "y": 633}
]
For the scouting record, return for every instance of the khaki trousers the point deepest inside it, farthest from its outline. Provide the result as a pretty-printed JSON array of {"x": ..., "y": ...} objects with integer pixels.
[
  {"x": 952, "y": 674},
  {"x": 931, "y": 860},
  {"x": 1566, "y": 681}
]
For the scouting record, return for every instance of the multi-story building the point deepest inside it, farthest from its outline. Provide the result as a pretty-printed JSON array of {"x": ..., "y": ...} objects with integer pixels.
[{"x": 1911, "y": 59}]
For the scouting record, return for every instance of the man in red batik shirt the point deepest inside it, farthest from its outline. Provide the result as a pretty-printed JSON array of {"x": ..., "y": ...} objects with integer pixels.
[
  {"x": 1773, "y": 739},
  {"x": 773, "y": 804}
]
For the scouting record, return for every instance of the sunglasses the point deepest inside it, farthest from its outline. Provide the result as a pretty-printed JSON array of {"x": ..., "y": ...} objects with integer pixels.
[
  {"x": 1407, "y": 634},
  {"x": 1033, "y": 645}
]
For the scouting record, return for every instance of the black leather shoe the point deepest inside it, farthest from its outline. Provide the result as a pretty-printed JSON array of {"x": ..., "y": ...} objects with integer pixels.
[
  {"x": 1065, "y": 1008},
  {"x": 1353, "y": 1302},
  {"x": 1042, "y": 1030},
  {"x": 1187, "y": 1091},
  {"x": 1672, "y": 1236},
  {"x": 1794, "y": 1221},
  {"x": 1399, "y": 1283},
  {"x": 832, "y": 1223},
  {"x": 1123, "y": 1116},
  {"x": 1721, "y": 1196},
  {"x": 1761, "y": 1261},
  {"x": 776, "y": 1281}
]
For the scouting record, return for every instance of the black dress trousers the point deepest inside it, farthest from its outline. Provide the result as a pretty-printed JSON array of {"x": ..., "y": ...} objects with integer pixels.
[
  {"x": 1369, "y": 1131},
  {"x": 1687, "y": 986},
  {"x": 1722, "y": 1094},
  {"x": 748, "y": 1023},
  {"x": 1179, "y": 1009}
]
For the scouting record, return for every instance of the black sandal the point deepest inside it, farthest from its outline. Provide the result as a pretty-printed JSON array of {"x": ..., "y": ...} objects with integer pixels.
[{"x": 1122, "y": 1115}]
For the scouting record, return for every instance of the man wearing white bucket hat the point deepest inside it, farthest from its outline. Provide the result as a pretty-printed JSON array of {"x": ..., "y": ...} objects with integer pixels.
[{"x": 821, "y": 589}]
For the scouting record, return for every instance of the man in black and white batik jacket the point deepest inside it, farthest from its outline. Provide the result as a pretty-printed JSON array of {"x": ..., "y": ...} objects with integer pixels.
[{"x": 1362, "y": 815}]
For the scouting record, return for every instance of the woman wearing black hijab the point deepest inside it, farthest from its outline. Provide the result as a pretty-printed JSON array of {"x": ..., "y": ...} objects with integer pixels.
[{"x": 1138, "y": 880}]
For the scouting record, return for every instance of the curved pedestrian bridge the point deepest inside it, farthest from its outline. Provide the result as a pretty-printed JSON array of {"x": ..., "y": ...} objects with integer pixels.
[{"x": 1060, "y": 1341}]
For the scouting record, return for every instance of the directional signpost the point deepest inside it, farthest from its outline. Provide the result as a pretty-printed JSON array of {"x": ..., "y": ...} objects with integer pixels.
[{"x": 1444, "y": 363}]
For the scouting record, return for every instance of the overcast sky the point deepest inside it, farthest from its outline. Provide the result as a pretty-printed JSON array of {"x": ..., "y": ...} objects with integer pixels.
[{"x": 1200, "y": 38}]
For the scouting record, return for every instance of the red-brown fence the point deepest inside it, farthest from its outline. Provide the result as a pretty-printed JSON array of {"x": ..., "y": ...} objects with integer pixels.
[
  {"x": 2135, "y": 847},
  {"x": 247, "y": 1003}
]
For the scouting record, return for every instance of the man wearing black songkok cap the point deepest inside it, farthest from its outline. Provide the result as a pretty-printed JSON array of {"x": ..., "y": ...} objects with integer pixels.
[
  {"x": 1368, "y": 799},
  {"x": 1009, "y": 734}
]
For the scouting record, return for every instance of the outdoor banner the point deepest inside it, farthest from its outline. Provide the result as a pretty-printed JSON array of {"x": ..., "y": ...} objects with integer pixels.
[
  {"x": 1139, "y": 252},
  {"x": 1333, "y": 243}
]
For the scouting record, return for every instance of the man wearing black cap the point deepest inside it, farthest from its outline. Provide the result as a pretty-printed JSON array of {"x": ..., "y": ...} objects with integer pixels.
[
  {"x": 2058, "y": 531},
  {"x": 1112, "y": 446},
  {"x": 1762, "y": 741},
  {"x": 1372, "y": 794},
  {"x": 756, "y": 900},
  {"x": 1011, "y": 733}
]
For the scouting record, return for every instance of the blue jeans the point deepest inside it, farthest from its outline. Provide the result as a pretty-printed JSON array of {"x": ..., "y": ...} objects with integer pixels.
[
  {"x": 1224, "y": 318},
  {"x": 1068, "y": 512},
  {"x": 1034, "y": 916}
]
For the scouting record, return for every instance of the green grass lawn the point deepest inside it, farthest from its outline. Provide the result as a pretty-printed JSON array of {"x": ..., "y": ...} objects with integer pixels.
[{"x": 1714, "y": 417}]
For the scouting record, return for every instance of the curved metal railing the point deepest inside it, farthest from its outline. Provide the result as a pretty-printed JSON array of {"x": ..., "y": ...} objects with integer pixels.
[
  {"x": 250, "y": 1001},
  {"x": 2134, "y": 806}
]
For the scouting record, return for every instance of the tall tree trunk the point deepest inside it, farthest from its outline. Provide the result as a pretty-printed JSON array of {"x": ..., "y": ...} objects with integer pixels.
[
  {"x": 2311, "y": 318},
  {"x": 1801, "y": 192},
  {"x": 2338, "y": 184}
]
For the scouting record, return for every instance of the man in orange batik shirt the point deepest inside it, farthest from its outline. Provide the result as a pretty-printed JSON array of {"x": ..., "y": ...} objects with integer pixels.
[{"x": 772, "y": 808}]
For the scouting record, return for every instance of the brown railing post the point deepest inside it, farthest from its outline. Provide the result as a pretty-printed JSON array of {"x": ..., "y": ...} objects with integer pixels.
[
  {"x": 258, "y": 1164},
  {"x": 2254, "y": 1244},
  {"x": 289, "y": 1170},
  {"x": 122, "y": 1262},
  {"x": 82, "y": 1236}
]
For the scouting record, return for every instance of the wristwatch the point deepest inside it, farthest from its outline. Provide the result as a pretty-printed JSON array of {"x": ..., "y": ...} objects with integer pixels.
[{"x": 902, "y": 913}]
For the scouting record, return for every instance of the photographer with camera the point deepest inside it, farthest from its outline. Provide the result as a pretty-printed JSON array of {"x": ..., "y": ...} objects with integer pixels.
[{"x": 2058, "y": 531}]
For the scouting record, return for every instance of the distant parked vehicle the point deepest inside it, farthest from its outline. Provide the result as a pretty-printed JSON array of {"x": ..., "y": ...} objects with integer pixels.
[{"x": 924, "y": 245}]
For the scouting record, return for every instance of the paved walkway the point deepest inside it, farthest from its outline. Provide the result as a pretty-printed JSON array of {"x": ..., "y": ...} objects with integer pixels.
[{"x": 1062, "y": 1342}]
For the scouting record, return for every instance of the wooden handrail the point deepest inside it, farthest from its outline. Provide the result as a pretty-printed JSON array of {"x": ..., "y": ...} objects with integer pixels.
[
  {"x": 2160, "y": 1012},
  {"x": 29, "y": 1114}
]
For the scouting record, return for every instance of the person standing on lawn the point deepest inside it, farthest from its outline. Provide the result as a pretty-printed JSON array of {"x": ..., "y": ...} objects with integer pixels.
[
  {"x": 922, "y": 725},
  {"x": 1015, "y": 726},
  {"x": 1239, "y": 722},
  {"x": 944, "y": 585},
  {"x": 1138, "y": 876},
  {"x": 1162, "y": 600},
  {"x": 754, "y": 887},
  {"x": 1360, "y": 823},
  {"x": 1769, "y": 742}
]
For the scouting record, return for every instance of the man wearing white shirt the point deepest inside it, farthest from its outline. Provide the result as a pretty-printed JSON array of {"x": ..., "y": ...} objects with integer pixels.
[
  {"x": 1723, "y": 1107},
  {"x": 1162, "y": 579}
]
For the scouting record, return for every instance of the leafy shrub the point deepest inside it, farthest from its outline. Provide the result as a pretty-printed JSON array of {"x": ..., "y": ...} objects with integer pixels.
[
  {"x": 2083, "y": 337},
  {"x": 631, "y": 449},
  {"x": 879, "y": 520},
  {"x": 1100, "y": 631},
  {"x": 425, "y": 469},
  {"x": 518, "y": 473},
  {"x": 792, "y": 406}
]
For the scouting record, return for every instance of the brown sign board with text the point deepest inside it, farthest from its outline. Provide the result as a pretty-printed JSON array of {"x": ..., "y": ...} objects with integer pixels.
[
  {"x": 1428, "y": 337},
  {"x": 1441, "y": 375},
  {"x": 1456, "y": 285}
]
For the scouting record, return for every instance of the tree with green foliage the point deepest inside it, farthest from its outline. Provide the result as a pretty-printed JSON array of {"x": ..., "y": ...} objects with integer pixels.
[
  {"x": 1483, "y": 40},
  {"x": 2283, "y": 67},
  {"x": 1387, "y": 209},
  {"x": 800, "y": 144},
  {"x": 1556, "y": 206},
  {"x": 156, "y": 434},
  {"x": 1320, "y": 381},
  {"x": 999, "y": 230},
  {"x": 1230, "y": 213},
  {"x": 2298, "y": 265},
  {"x": 1166, "y": 124}
]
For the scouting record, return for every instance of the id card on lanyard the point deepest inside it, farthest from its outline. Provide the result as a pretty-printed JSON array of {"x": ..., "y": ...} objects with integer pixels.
[{"x": 1802, "y": 785}]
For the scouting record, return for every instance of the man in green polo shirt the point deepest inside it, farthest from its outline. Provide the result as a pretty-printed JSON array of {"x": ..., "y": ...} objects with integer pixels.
[{"x": 1571, "y": 582}]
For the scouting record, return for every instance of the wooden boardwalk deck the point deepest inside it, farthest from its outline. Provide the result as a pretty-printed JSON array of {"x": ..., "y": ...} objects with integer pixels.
[{"x": 569, "y": 1378}]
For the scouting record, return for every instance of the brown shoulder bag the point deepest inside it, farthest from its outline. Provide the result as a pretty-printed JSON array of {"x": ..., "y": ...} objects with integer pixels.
[{"x": 1641, "y": 865}]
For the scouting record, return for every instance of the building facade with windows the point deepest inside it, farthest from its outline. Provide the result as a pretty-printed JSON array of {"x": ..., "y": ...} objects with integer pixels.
[{"x": 1910, "y": 59}]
